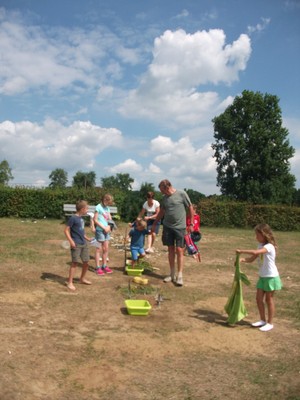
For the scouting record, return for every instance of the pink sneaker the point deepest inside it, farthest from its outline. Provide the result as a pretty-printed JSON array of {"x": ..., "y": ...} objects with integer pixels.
[
  {"x": 100, "y": 272},
  {"x": 107, "y": 270}
]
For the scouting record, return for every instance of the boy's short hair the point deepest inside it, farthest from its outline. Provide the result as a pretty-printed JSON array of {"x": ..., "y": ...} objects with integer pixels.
[
  {"x": 141, "y": 222},
  {"x": 80, "y": 204}
]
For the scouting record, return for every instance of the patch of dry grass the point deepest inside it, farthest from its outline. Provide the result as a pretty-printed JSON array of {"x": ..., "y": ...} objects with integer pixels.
[{"x": 83, "y": 345}]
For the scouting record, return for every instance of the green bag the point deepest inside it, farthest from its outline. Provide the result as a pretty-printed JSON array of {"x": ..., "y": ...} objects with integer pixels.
[{"x": 235, "y": 307}]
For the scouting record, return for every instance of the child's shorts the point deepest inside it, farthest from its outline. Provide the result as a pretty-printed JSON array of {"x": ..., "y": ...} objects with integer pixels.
[
  {"x": 135, "y": 251},
  {"x": 102, "y": 236},
  {"x": 81, "y": 252},
  {"x": 269, "y": 284}
]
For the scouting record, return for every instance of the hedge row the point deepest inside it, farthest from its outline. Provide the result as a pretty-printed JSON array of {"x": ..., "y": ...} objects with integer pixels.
[
  {"x": 25, "y": 202},
  {"x": 40, "y": 203},
  {"x": 244, "y": 215}
]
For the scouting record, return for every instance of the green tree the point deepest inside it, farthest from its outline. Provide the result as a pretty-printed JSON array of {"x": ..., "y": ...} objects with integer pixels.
[
  {"x": 5, "y": 173},
  {"x": 145, "y": 188},
  {"x": 195, "y": 196},
  {"x": 59, "y": 178},
  {"x": 84, "y": 179},
  {"x": 296, "y": 198},
  {"x": 119, "y": 181},
  {"x": 252, "y": 151}
]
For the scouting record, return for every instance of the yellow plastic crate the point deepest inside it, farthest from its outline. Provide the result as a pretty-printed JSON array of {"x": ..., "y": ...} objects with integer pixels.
[
  {"x": 138, "y": 307},
  {"x": 134, "y": 271}
]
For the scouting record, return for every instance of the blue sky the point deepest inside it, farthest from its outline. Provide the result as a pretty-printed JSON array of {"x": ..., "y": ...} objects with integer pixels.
[{"x": 131, "y": 86}]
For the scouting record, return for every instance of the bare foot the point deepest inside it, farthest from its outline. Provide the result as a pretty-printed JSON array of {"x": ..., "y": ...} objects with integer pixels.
[
  {"x": 85, "y": 282},
  {"x": 71, "y": 286}
]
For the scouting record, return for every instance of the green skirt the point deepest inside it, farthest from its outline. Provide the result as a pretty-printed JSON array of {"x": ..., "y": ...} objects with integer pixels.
[{"x": 269, "y": 284}]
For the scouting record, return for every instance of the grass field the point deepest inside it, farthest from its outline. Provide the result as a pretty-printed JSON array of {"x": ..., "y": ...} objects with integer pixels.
[{"x": 61, "y": 345}]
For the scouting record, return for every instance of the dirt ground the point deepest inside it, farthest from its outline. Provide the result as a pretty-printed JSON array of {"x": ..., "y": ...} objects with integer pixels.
[{"x": 83, "y": 345}]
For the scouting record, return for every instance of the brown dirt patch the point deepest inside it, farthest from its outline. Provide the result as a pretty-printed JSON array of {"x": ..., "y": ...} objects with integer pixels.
[{"x": 61, "y": 345}]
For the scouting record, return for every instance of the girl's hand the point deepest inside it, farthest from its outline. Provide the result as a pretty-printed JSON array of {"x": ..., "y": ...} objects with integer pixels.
[{"x": 238, "y": 251}]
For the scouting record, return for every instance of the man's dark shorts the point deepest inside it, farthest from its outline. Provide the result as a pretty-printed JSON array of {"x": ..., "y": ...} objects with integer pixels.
[{"x": 173, "y": 237}]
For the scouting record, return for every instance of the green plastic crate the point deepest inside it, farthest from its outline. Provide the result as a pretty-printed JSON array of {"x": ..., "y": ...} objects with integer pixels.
[
  {"x": 134, "y": 271},
  {"x": 138, "y": 307}
]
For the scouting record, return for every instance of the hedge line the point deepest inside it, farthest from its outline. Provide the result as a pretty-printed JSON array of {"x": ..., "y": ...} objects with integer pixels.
[
  {"x": 40, "y": 203},
  {"x": 25, "y": 202},
  {"x": 244, "y": 215}
]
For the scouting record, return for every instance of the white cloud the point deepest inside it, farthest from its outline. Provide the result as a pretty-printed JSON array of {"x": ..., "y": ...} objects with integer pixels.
[
  {"x": 44, "y": 147},
  {"x": 182, "y": 62},
  {"x": 154, "y": 169},
  {"x": 127, "y": 166},
  {"x": 184, "y": 13},
  {"x": 35, "y": 57},
  {"x": 181, "y": 159},
  {"x": 259, "y": 27}
]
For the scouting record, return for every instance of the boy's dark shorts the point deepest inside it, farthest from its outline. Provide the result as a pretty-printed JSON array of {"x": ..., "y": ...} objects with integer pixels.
[
  {"x": 173, "y": 237},
  {"x": 81, "y": 252}
]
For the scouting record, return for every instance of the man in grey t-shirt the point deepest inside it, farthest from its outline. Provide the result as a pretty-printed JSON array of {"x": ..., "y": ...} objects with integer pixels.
[{"x": 173, "y": 208}]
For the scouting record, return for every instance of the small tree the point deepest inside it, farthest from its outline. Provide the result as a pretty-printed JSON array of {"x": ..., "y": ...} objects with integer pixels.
[
  {"x": 59, "y": 178},
  {"x": 194, "y": 196},
  {"x": 252, "y": 151},
  {"x": 145, "y": 188},
  {"x": 84, "y": 179},
  {"x": 5, "y": 173},
  {"x": 119, "y": 181}
]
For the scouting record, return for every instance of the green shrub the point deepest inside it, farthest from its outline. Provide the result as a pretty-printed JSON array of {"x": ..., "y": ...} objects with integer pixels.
[{"x": 244, "y": 215}]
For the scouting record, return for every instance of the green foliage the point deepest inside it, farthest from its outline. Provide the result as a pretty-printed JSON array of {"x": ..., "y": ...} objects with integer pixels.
[
  {"x": 25, "y": 202},
  {"x": 119, "y": 181},
  {"x": 194, "y": 196},
  {"x": 129, "y": 205},
  {"x": 145, "y": 188},
  {"x": 252, "y": 151},
  {"x": 84, "y": 179},
  {"x": 244, "y": 215},
  {"x": 5, "y": 173},
  {"x": 296, "y": 198},
  {"x": 58, "y": 178}
]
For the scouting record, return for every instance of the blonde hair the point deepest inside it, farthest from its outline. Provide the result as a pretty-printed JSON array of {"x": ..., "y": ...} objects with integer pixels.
[
  {"x": 141, "y": 222},
  {"x": 107, "y": 198},
  {"x": 80, "y": 204},
  {"x": 266, "y": 232}
]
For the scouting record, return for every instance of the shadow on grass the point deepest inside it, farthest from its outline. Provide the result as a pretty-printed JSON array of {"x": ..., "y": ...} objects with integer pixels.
[
  {"x": 48, "y": 276},
  {"x": 216, "y": 318}
]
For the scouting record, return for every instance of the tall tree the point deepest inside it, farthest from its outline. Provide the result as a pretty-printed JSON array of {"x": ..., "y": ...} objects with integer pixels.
[
  {"x": 119, "y": 181},
  {"x": 195, "y": 196},
  {"x": 252, "y": 151},
  {"x": 59, "y": 178},
  {"x": 84, "y": 179},
  {"x": 145, "y": 188},
  {"x": 5, "y": 173}
]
